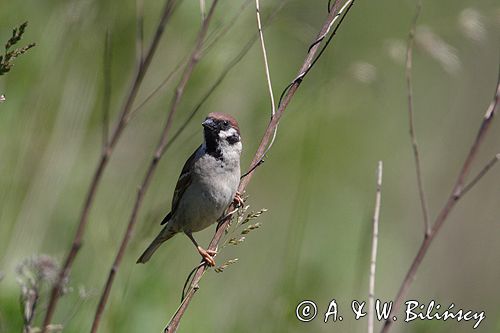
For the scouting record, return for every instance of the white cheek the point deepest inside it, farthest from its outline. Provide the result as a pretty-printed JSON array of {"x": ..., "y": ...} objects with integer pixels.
[
  {"x": 227, "y": 133},
  {"x": 238, "y": 147}
]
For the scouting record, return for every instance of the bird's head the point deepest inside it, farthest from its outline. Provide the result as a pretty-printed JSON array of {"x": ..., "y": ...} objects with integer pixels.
[
  {"x": 221, "y": 128},
  {"x": 222, "y": 136}
]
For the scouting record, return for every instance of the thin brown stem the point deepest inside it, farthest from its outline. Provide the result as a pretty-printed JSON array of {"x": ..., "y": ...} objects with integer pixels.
[
  {"x": 107, "y": 61},
  {"x": 160, "y": 150},
  {"x": 139, "y": 40},
  {"x": 183, "y": 306},
  {"x": 107, "y": 150},
  {"x": 411, "y": 118},
  {"x": 169, "y": 77},
  {"x": 217, "y": 34},
  {"x": 373, "y": 259},
  {"x": 481, "y": 174},
  {"x": 456, "y": 194},
  {"x": 285, "y": 101}
]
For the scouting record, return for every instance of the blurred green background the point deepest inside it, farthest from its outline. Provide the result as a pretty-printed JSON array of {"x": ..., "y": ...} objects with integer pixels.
[{"x": 318, "y": 182}]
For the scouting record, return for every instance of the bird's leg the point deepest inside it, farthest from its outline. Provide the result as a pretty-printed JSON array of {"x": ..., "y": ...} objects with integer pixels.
[
  {"x": 238, "y": 200},
  {"x": 207, "y": 255}
]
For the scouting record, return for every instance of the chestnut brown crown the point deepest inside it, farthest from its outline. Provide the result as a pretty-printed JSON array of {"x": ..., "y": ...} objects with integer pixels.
[{"x": 219, "y": 117}]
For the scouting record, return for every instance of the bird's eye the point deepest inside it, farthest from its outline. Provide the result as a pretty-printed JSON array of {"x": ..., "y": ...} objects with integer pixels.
[{"x": 226, "y": 123}]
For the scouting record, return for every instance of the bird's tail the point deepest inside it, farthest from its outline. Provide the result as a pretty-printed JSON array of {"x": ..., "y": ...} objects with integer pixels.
[{"x": 164, "y": 235}]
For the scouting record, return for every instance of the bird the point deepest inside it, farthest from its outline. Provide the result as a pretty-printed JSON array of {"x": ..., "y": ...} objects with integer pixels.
[{"x": 207, "y": 185}]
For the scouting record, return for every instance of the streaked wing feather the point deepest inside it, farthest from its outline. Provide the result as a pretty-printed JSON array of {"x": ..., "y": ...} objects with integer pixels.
[{"x": 182, "y": 184}]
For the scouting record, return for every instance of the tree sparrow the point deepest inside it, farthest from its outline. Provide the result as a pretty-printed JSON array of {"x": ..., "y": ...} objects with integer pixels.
[{"x": 206, "y": 186}]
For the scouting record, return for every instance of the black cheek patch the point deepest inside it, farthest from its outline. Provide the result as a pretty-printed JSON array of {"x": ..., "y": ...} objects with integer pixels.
[{"x": 233, "y": 139}]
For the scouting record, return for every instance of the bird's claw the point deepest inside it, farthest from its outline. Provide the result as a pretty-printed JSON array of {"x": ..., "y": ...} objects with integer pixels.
[
  {"x": 238, "y": 200},
  {"x": 208, "y": 255}
]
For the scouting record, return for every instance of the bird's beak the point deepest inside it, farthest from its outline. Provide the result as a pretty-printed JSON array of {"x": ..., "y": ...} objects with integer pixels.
[{"x": 208, "y": 123}]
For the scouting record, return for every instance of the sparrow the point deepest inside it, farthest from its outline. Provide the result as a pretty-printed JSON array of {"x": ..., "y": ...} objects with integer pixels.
[{"x": 207, "y": 185}]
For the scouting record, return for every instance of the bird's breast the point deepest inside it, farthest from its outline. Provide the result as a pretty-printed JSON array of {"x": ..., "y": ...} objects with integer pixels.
[{"x": 213, "y": 187}]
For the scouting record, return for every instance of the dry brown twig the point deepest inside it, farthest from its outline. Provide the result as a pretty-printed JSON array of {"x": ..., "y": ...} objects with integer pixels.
[
  {"x": 160, "y": 150},
  {"x": 312, "y": 56},
  {"x": 411, "y": 117},
  {"x": 140, "y": 72},
  {"x": 139, "y": 39},
  {"x": 373, "y": 259},
  {"x": 106, "y": 100},
  {"x": 459, "y": 189},
  {"x": 481, "y": 174}
]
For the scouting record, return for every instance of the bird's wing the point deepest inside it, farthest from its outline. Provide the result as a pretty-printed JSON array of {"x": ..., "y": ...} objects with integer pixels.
[{"x": 183, "y": 183}]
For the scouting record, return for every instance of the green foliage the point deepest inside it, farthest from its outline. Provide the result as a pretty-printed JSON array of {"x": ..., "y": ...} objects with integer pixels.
[{"x": 7, "y": 59}]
